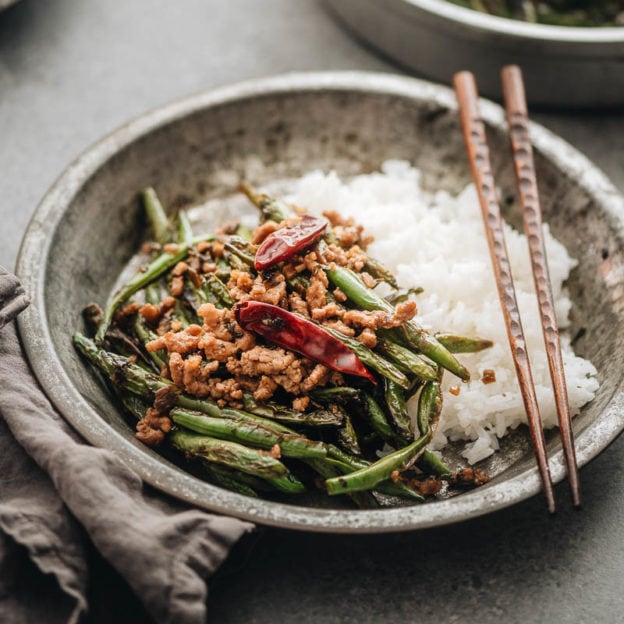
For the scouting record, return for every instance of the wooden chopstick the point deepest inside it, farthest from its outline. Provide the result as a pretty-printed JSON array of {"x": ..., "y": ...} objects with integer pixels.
[
  {"x": 479, "y": 157},
  {"x": 517, "y": 119}
]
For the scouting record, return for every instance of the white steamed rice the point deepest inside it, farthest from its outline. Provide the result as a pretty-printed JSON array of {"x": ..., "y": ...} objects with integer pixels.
[{"x": 436, "y": 241}]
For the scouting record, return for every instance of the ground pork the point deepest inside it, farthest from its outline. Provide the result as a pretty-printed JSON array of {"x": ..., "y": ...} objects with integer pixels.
[
  {"x": 153, "y": 313},
  {"x": 269, "y": 291},
  {"x": 353, "y": 258},
  {"x": 297, "y": 304},
  {"x": 265, "y": 389},
  {"x": 330, "y": 311},
  {"x": 316, "y": 293},
  {"x": 380, "y": 319},
  {"x": 261, "y": 361},
  {"x": 183, "y": 341},
  {"x": 301, "y": 403},
  {"x": 261, "y": 232},
  {"x": 153, "y": 427},
  {"x": 192, "y": 374},
  {"x": 317, "y": 377},
  {"x": 347, "y": 231},
  {"x": 368, "y": 338},
  {"x": 339, "y": 326},
  {"x": 239, "y": 285},
  {"x": 176, "y": 286},
  {"x": 217, "y": 349}
]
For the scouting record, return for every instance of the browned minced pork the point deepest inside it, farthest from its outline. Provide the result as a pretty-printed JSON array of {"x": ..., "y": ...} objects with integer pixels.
[
  {"x": 218, "y": 322},
  {"x": 217, "y": 248},
  {"x": 271, "y": 291},
  {"x": 317, "y": 377},
  {"x": 261, "y": 232},
  {"x": 193, "y": 373},
  {"x": 129, "y": 309},
  {"x": 292, "y": 377},
  {"x": 426, "y": 487},
  {"x": 340, "y": 296},
  {"x": 226, "y": 391},
  {"x": 368, "y": 279},
  {"x": 379, "y": 319},
  {"x": 338, "y": 325},
  {"x": 353, "y": 258},
  {"x": 310, "y": 261},
  {"x": 297, "y": 304},
  {"x": 218, "y": 359},
  {"x": 176, "y": 286},
  {"x": 316, "y": 293},
  {"x": 265, "y": 389},
  {"x": 151, "y": 429},
  {"x": 180, "y": 269},
  {"x": 368, "y": 338},
  {"x": 217, "y": 349},
  {"x": 183, "y": 341},
  {"x": 347, "y": 231},
  {"x": 471, "y": 476},
  {"x": 241, "y": 282},
  {"x": 153, "y": 313},
  {"x": 301, "y": 403},
  {"x": 331, "y": 311},
  {"x": 261, "y": 361}
]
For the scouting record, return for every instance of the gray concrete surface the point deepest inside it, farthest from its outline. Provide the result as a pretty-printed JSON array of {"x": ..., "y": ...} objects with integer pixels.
[{"x": 70, "y": 71}]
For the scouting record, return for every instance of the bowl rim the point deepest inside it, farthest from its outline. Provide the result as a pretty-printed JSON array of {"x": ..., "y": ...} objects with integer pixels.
[
  {"x": 463, "y": 17},
  {"x": 155, "y": 470}
]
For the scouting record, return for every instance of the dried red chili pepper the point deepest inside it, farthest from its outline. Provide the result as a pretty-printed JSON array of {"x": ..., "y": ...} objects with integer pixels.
[
  {"x": 287, "y": 241},
  {"x": 296, "y": 333}
]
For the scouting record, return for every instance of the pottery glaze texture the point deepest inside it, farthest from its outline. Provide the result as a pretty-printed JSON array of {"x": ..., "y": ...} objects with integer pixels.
[{"x": 270, "y": 131}]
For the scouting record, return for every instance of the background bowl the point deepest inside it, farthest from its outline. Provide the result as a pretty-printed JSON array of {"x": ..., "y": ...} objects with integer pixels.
[
  {"x": 268, "y": 131},
  {"x": 566, "y": 67}
]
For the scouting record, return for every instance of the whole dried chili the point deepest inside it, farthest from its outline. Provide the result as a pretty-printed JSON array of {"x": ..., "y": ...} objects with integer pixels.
[
  {"x": 296, "y": 333},
  {"x": 287, "y": 241}
]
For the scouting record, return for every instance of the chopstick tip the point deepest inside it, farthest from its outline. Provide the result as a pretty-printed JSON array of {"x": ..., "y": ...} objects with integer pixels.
[
  {"x": 576, "y": 501},
  {"x": 552, "y": 507}
]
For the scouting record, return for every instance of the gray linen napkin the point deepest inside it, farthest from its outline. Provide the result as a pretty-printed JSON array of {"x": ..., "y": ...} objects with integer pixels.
[{"x": 164, "y": 549}]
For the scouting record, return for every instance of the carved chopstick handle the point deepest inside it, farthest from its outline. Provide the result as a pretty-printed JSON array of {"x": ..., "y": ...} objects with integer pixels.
[
  {"x": 478, "y": 154},
  {"x": 517, "y": 119}
]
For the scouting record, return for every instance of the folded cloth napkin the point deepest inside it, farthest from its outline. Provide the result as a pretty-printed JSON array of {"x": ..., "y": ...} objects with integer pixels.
[{"x": 62, "y": 492}]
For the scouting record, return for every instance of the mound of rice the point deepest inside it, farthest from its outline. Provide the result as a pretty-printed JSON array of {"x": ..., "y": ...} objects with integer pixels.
[{"x": 437, "y": 242}]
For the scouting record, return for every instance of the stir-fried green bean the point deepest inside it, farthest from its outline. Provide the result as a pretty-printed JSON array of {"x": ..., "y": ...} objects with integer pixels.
[
  {"x": 329, "y": 435},
  {"x": 371, "y": 359},
  {"x": 463, "y": 344},
  {"x": 407, "y": 360},
  {"x": 156, "y": 216},
  {"x": 245, "y": 431},
  {"x": 362, "y": 296}
]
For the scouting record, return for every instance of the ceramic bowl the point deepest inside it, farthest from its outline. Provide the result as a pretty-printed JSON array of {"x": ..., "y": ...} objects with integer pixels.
[
  {"x": 563, "y": 66},
  {"x": 268, "y": 131}
]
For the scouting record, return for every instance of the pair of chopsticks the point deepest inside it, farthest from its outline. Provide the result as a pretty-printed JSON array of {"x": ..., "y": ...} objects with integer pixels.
[{"x": 478, "y": 155}]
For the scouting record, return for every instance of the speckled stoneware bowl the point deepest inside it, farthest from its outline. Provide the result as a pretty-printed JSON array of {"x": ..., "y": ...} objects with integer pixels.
[
  {"x": 268, "y": 131},
  {"x": 563, "y": 66}
]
